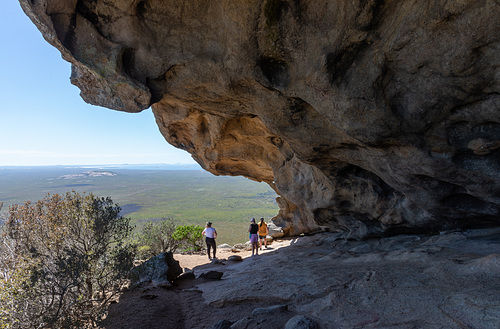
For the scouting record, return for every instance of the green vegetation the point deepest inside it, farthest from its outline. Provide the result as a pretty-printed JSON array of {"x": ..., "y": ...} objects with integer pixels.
[
  {"x": 61, "y": 260},
  {"x": 63, "y": 257},
  {"x": 165, "y": 235},
  {"x": 191, "y": 197},
  {"x": 191, "y": 237},
  {"x": 156, "y": 237}
]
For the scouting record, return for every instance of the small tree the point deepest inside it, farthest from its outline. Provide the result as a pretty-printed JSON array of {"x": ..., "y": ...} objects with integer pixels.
[
  {"x": 165, "y": 236},
  {"x": 158, "y": 237},
  {"x": 190, "y": 236},
  {"x": 66, "y": 257}
]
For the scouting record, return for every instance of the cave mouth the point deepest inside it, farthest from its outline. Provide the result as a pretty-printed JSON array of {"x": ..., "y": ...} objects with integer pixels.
[{"x": 338, "y": 86}]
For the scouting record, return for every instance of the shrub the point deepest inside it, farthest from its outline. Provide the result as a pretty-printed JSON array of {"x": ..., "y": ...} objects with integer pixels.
[
  {"x": 157, "y": 237},
  {"x": 165, "y": 236},
  {"x": 190, "y": 236},
  {"x": 62, "y": 259}
]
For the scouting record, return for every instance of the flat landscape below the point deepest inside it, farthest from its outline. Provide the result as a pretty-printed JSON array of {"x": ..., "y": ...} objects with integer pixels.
[{"x": 145, "y": 194}]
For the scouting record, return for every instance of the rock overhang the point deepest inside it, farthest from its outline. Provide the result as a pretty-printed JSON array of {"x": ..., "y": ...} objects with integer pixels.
[{"x": 370, "y": 117}]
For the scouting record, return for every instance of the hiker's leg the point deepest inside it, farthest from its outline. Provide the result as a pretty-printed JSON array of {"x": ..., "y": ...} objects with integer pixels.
[{"x": 209, "y": 245}]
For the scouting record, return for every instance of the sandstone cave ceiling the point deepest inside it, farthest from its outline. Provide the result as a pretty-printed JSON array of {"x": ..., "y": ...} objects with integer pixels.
[{"x": 371, "y": 117}]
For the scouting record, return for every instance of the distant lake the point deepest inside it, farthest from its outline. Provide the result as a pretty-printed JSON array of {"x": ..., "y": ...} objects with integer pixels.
[{"x": 129, "y": 208}]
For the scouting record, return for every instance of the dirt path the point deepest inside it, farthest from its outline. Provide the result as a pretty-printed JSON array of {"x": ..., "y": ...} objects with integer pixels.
[
  {"x": 181, "y": 306},
  {"x": 192, "y": 261}
]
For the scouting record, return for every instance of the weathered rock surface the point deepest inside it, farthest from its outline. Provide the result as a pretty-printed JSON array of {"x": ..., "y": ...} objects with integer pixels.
[
  {"x": 158, "y": 270},
  {"x": 301, "y": 322},
  {"x": 274, "y": 231},
  {"x": 371, "y": 117},
  {"x": 448, "y": 280}
]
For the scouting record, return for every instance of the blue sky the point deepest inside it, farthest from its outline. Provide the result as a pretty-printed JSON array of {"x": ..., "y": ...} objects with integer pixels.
[{"x": 43, "y": 120}]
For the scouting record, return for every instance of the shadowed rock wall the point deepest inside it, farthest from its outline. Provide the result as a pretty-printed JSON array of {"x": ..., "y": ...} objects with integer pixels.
[{"x": 369, "y": 116}]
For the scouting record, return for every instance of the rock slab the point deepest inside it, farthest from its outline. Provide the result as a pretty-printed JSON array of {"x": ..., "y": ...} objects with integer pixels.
[{"x": 408, "y": 281}]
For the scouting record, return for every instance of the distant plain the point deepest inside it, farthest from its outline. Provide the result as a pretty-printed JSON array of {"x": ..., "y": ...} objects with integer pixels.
[{"x": 147, "y": 194}]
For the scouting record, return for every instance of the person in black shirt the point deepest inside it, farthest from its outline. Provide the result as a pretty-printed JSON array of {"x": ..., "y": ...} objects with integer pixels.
[{"x": 254, "y": 236}]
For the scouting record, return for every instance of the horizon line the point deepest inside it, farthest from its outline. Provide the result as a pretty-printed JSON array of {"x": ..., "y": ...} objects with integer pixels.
[{"x": 105, "y": 165}]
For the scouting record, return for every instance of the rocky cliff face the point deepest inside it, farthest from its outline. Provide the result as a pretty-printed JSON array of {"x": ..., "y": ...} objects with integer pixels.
[{"x": 367, "y": 116}]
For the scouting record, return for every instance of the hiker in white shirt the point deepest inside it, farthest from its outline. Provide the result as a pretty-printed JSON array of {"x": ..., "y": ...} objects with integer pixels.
[{"x": 211, "y": 235}]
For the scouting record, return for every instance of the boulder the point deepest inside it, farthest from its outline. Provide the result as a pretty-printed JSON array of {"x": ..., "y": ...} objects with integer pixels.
[
  {"x": 212, "y": 275},
  {"x": 186, "y": 276},
  {"x": 275, "y": 231},
  {"x": 159, "y": 270},
  {"x": 235, "y": 258},
  {"x": 242, "y": 246}
]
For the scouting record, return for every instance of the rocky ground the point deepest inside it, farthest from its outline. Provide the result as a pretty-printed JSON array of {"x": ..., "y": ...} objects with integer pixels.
[{"x": 449, "y": 280}]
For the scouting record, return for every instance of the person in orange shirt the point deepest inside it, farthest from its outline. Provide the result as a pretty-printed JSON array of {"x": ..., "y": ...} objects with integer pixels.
[{"x": 263, "y": 232}]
